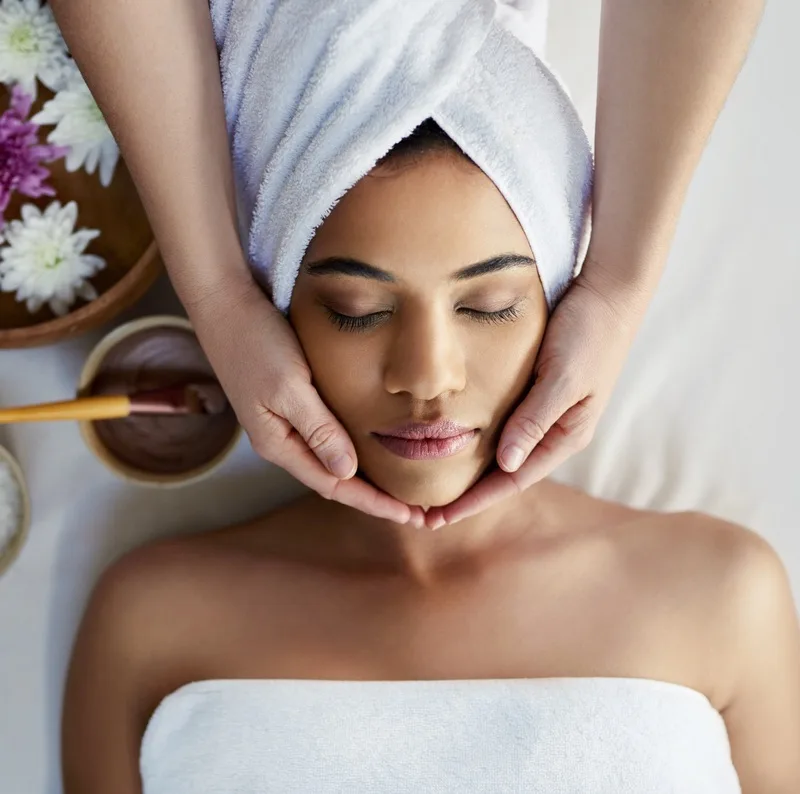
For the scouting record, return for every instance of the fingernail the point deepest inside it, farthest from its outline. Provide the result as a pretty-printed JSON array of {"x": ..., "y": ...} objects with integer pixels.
[
  {"x": 512, "y": 457},
  {"x": 341, "y": 466}
]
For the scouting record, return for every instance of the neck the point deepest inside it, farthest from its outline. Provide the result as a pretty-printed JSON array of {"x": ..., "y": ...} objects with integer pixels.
[{"x": 425, "y": 556}]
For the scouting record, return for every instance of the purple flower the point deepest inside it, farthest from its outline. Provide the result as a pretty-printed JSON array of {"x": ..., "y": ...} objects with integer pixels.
[{"x": 21, "y": 154}]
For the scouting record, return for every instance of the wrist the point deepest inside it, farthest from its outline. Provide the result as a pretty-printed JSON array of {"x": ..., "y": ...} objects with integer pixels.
[
  {"x": 627, "y": 290},
  {"x": 627, "y": 257},
  {"x": 209, "y": 296},
  {"x": 223, "y": 304},
  {"x": 220, "y": 311}
]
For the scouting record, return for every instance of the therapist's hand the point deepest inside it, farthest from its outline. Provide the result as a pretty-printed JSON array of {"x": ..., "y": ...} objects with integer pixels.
[
  {"x": 261, "y": 366},
  {"x": 585, "y": 345}
]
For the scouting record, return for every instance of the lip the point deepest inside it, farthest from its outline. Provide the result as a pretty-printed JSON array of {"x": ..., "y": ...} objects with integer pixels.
[{"x": 426, "y": 440}]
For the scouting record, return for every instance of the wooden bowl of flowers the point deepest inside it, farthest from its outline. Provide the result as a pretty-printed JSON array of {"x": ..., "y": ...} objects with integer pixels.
[{"x": 76, "y": 248}]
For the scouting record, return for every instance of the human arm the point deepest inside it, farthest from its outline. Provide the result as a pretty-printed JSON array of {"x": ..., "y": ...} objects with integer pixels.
[
  {"x": 763, "y": 714},
  {"x": 102, "y": 722},
  {"x": 666, "y": 68},
  {"x": 153, "y": 69}
]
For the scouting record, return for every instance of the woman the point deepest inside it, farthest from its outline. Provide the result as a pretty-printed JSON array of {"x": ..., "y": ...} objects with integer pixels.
[
  {"x": 666, "y": 67},
  {"x": 620, "y": 635}
]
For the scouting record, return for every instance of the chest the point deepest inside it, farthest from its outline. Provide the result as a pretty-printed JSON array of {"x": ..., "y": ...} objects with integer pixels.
[{"x": 576, "y": 617}]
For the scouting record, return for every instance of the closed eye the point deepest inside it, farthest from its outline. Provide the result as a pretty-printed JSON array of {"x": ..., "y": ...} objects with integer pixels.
[
  {"x": 501, "y": 316},
  {"x": 347, "y": 322}
]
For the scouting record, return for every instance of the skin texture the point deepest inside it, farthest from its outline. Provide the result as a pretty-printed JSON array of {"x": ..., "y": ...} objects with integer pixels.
[
  {"x": 432, "y": 350},
  {"x": 547, "y": 583}
]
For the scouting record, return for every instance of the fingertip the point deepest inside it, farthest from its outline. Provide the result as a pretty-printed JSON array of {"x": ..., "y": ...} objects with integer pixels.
[
  {"x": 511, "y": 457},
  {"x": 402, "y": 514},
  {"x": 431, "y": 516},
  {"x": 343, "y": 467},
  {"x": 456, "y": 514}
]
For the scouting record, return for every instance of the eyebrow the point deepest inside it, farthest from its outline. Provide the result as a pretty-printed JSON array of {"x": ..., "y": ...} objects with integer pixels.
[{"x": 345, "y": 266}]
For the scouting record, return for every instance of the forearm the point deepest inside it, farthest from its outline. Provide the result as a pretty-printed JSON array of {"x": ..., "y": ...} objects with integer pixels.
[
  {"x": 666, "y": 68},
  {"x": 153, "y": 69}
]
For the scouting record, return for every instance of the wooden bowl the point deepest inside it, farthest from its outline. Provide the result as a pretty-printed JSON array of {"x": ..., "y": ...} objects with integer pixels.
[
  {"x": 126, "y": 243},
  {"x": 87, "y": 428},
  {"x": 12, "y": 550}
]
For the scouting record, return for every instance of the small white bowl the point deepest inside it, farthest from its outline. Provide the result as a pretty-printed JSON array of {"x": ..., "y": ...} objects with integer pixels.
[{"x": 10, "y": 552}]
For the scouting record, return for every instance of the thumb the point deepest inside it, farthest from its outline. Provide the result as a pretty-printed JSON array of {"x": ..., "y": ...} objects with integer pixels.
[
  {"x": 546, "y": 403},
  {"x": 322, "y": 432}
]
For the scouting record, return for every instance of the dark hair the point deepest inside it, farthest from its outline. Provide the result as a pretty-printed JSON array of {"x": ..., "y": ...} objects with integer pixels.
[{"x": 426, "y": 139}]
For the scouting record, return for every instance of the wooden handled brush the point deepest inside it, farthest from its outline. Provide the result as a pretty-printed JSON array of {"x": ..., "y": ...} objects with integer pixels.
[{"x": 189, "y": 398}]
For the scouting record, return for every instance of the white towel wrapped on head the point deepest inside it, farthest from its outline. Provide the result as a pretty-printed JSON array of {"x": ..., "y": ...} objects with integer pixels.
[{"x": 316, "y": 93}]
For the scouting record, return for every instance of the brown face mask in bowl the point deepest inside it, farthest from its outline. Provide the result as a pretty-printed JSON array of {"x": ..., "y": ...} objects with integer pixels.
[{"x": 157, "y": 449}]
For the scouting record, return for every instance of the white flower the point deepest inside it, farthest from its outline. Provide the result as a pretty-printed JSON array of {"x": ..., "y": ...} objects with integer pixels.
[
  {"x": 44, "y": 260},
  {"x": 81, "y": 126},
  {"x": 31, "y": 46}
]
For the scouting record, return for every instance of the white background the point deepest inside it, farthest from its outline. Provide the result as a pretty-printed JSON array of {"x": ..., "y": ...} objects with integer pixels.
[{"x": 705, "y": 415}]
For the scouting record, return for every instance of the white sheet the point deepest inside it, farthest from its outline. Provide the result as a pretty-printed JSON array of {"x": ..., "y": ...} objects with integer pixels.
[{"x": 704, "y": 416}]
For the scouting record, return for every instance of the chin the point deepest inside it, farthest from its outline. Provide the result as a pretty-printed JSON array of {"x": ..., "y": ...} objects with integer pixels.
[
  {"x": 426, "y": 487},
  {"x": 427, "y": 497}
]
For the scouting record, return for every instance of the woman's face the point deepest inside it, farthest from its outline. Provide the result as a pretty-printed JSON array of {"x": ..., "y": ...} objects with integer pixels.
[{"x": 420, "y": 310}]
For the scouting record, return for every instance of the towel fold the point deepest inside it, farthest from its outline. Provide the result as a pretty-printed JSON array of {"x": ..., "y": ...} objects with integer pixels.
[{"x": 316, "y": 93}]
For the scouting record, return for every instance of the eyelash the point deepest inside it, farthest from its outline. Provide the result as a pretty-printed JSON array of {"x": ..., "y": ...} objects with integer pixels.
[
  {"x": 347, "y": 323},
  {"x": 503, "y": 316}
]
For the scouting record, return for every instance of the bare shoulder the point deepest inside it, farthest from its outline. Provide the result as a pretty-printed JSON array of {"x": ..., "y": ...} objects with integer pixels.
[
  {"x": 145, "y": 604},
  {"x": 696, "y": 542},
  {"x": 154, "y": 579},
  {"x": 161, "y": 616},
  {"x": 731, "y": 564},
  {"x": 756, "y": 626},
  {"x": 122, "y": 661},
  {"x": 740, "y": 560},
  {"x": 173, "y": 577},
  {"x": 174, "y": 589},
  {"x": 727, "y": 581},
  {"x": 689, "y": 549}
]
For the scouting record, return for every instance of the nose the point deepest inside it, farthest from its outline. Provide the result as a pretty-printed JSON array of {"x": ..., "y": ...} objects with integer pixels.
[{"x": 426, "y": 359}]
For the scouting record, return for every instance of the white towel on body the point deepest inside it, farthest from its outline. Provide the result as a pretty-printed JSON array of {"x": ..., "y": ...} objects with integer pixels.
[{"x": 501, "y": 736}]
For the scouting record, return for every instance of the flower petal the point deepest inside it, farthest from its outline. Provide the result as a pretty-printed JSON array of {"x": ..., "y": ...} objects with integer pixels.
[
  {"x": 87, "y": 291},
  {"x": 28, "y": 213}
]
